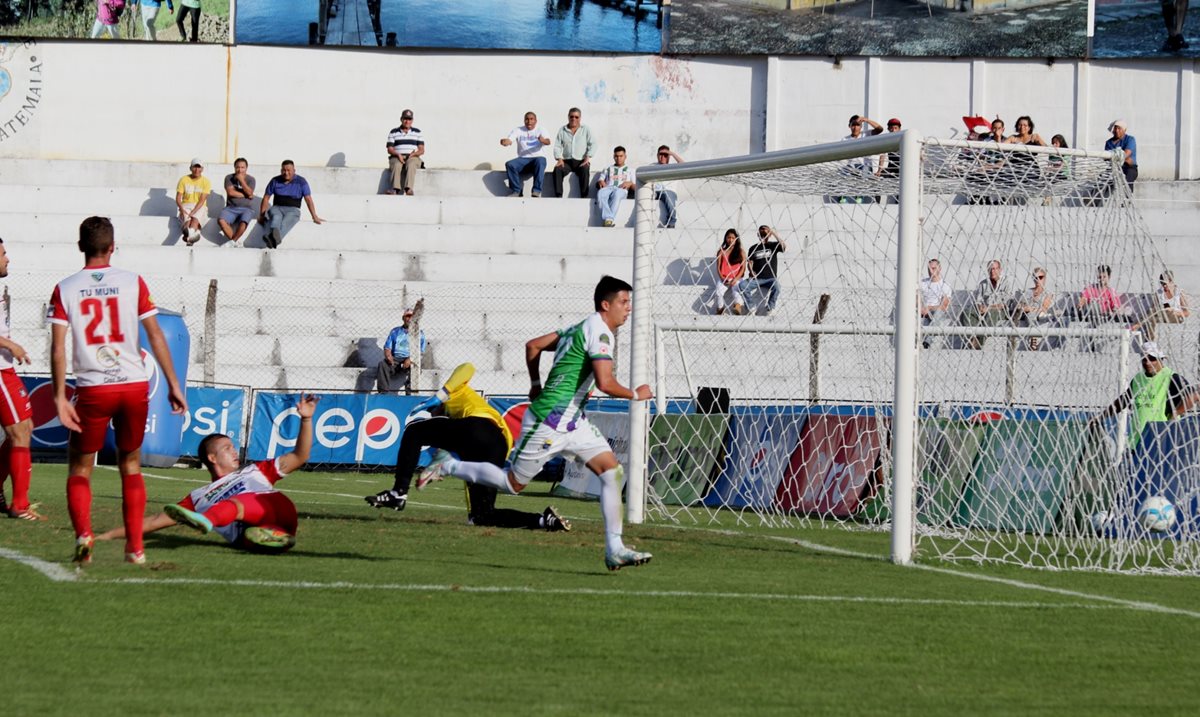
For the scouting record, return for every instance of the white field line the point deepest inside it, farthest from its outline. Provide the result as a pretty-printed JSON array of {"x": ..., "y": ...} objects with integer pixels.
[
  {"x": 593, "y": 592},
  {"x": 54, "y": 571},
  {"x": 1138, "y": 605}
]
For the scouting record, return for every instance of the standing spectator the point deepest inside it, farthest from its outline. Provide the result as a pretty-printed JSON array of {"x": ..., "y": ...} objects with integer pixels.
[
  {"x": 1034, "y": 307},
  {"x": 862, "y": 165},
  {"x": 1156, "y": 394},
  {"x": 1124, "y": 141},
  {"x": 667, "y": 199},
  {"x": 1056, "y": 164},
  {"x": 239, "y": 202},
  {"x": 288, "y": 189},
  {"x": 529, "y": 139},
  {"x": 615, "y": 183},
  {"x": 935, "y": 296},
  {"x": 396, "y": 365},
  {"x": 108, "y": 17},
  {"x": 16, "y": 415},
  {"x": 764, "y": 269},
  {"x": 993, "y": 303},
  {"x": 405, "y": 147},
  {"x": 731, "y": 267},
  {"x": 573, "y": 149},
  {"x": 111, "y": 383},
  {"x": 1174, "y": 14},
  {"x": 1023, "y": 169},
  {"x": 1098, "y": 302},
  {"x": 189, "y": 7},
  {"x": 1171, "y": 308},
  {"x": 191, "y": 197},
  {"x": 150, "y": 10}
]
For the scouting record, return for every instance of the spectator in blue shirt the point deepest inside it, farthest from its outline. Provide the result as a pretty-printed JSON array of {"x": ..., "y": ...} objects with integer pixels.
[
  {"x": 288, "y": 189},
  {"x": 397, "y": 362},
  {"x": 1122, "y": 140}
]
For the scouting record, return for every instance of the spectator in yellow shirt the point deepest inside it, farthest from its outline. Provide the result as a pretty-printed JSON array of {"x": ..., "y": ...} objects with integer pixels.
[{"x": 191, "y": 196}]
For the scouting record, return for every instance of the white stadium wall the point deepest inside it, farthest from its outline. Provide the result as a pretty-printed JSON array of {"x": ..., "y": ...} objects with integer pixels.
[{"x": 163, "y": 102}]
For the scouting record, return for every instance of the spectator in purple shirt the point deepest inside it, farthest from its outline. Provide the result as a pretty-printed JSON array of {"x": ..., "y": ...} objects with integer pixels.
[{"x": 288, "y": 189}]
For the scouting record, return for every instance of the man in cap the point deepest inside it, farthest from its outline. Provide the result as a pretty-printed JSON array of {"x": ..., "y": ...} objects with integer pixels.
[
  {"x": 1156, "y": 394},
  {"x": 397, "y": 360},
  {"x": 405, "y": 147},
  {"x": 1122, "y": 140},
  {"x": 191, "y": 197}
]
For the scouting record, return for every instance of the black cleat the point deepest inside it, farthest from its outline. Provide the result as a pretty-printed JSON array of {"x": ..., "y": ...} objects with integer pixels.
[
  {"x": 387, "y": 499},
  {"x": 553, "y": 522}
]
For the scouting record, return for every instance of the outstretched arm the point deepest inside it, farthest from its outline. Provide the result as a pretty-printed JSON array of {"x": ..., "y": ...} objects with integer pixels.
[
  {"x": 289, "y": 462},
  {"x": 158, "y": 346}
]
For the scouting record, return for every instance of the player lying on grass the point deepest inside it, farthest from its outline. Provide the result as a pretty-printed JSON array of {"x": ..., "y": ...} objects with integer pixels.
[
  {"x": 555, "y": 422},
  {"x": 470, "y": 428},
  {"x": 241, "y": 504}
]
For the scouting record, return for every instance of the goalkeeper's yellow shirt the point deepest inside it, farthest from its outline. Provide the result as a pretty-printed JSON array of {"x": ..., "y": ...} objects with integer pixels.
[{"x": 464, "y": 402}]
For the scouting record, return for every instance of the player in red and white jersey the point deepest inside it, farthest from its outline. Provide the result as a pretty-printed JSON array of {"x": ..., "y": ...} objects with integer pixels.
[
  {"x": 101, "y": 307},
  {"x": 241, "y": 503},
  {"x": 16, "y": 415}
]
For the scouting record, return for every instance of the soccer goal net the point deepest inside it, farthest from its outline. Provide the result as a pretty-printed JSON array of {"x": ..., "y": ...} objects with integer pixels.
[{"x": 918, "y": 337}]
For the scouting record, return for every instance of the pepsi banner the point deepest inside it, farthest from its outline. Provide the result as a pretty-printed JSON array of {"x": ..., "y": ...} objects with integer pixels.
[
  {"x": 213, "y": 410},
  {"x": 348, "y": 428}
]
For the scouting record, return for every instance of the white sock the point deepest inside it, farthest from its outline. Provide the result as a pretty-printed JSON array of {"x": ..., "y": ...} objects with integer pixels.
[
  {"x": 610, "y": 508},
  {"x": 480, "y": 473}
]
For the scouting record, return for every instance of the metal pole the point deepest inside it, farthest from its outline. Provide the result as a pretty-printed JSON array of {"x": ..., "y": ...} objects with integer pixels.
[
  {"x": 660, "y": 372},
  {"x": 639, "y": 351},
  {"x": 904, "y": 405},
  {"x": 210, "y": 334}
]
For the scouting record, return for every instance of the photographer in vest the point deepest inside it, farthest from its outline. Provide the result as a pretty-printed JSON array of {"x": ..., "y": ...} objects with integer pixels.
[{"x": 1155, "y": 394}]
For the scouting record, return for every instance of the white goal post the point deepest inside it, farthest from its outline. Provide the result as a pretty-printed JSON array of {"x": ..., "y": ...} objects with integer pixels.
[{"x": 861, "y": 219}]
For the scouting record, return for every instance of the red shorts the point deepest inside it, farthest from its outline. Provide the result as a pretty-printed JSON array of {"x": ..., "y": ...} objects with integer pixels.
[
  {"x": 268, "y": 510},
  {"x": 14, "y": 400},
  {"x": 125, "y": 404}
]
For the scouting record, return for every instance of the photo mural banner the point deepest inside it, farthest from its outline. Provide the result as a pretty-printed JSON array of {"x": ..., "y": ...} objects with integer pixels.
[{"x": 143, "y": 20}]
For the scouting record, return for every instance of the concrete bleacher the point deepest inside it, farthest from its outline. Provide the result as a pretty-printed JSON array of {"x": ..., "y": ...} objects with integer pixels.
[{"x": 493, "y": 270}]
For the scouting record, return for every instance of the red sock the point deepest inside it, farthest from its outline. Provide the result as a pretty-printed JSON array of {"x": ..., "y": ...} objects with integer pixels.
[
  {"x": 20, "y": 465},
  {"x": 222, "y": 513},
  {"x": 133, "y": 507},
  {"x": 79, "y": 504}
]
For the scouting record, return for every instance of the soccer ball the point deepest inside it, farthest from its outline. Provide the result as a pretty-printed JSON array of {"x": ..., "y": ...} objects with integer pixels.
[
  {"x": 1156, "y": 514},
  {"x": 1101, "y": 520}
]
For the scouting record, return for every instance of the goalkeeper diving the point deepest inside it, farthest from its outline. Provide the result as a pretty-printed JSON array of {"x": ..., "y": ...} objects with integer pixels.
[{"x": 469, "y": 427}]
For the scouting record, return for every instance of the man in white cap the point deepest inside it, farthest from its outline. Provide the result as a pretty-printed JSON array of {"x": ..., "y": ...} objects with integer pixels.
[
  {"x": 191, "y": 197},
  {"x": 396, "y": 366},
  {"x": 1156, "y": 394},
  {"x": 1125, "y": 142}
]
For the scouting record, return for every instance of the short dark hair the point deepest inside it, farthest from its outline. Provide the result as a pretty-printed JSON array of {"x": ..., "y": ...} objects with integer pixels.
[
  {"x": 202, "y": 450},
  {"x": 575, "y": 109},
  {"x": 854, "y": 119},
  {"x": 241, "y": 159},
  {"x": 95, "y": 236},
  {"x": 619, "y": 148},
  {"x": 286, "y": 162},
  {"x": 607, "y": 289},
  {"x": 663, "y": 148},
  {"x": 1104, "y": 269}
]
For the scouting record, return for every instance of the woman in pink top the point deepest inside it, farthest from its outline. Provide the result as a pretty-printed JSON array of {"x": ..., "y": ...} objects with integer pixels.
[
  {"x": 108, "y": 15},
  {"x": 731, "y": 268},
  {"x": 1099, "y": 301}
]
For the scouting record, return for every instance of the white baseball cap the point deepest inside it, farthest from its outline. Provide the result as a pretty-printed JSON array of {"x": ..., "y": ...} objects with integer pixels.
[
  {"x": 1151, "y": 349},
  {"x": 196, "y": 162}
]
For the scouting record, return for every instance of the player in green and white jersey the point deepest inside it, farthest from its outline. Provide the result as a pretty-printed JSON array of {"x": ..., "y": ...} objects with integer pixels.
[{"x": 556, "y": 423}]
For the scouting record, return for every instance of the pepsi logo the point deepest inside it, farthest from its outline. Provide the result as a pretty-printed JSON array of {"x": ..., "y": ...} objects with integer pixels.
[
  {"x": 153, "y": 372},
  {"x": 48, "y": 431},
  {"x": 514, "y": 416}
]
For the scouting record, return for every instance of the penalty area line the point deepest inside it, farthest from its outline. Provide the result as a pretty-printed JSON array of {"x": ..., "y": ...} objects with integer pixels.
[
  {"x": 54, "y": 571},
  {"x": 594, "y": 592}
]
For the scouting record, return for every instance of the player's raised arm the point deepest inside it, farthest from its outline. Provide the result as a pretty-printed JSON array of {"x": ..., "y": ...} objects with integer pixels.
[
  {"x": 533, "y": 360},
  {"x": 289, "y": 462},
  {"x": 162, "y": 354},
  {"x": 608, "y": 383}
]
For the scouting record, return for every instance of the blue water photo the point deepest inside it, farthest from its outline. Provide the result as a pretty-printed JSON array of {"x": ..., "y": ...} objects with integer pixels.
[{"x": 565, "y": 25}]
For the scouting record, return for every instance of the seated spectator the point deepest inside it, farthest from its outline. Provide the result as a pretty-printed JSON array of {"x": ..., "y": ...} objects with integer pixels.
[
  {"x": 667, "y": 199},
  {"x": 1171, "y": 307},
  {"x": 289, "y": 189},
  {"x": 1125, "y": 142},
  {"x": 1035, "y": 304},
  {"x": 731, "y": 267},
  {"x": 574, "y": 146},
  {"x": 764, "y": 270},
  {"x": 992, "y": 305},
  {"x": 406, "y": 152},
  {"x": 239, "y": 202},
  {"x": 529, "y": 139},
  {"x": 191, "y": 197},
  {"x": 1098, "y": 302},
  {"x": 396, "y": 366},
  {"x": 615, "y": 183},
  {"x": 935, "y": 296}
]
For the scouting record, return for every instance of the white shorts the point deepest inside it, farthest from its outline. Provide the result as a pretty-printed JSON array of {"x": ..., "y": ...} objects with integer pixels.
[{"x": 540, "y": 443}]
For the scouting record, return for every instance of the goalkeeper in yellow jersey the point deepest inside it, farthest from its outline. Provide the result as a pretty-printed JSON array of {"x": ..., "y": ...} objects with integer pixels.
[{"x": 469, "y": 427}]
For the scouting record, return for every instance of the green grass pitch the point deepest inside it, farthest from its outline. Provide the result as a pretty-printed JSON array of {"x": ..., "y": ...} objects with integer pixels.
[{"x": 376, "y": 612}]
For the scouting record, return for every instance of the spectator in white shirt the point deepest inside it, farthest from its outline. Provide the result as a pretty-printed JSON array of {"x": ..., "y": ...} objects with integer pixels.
[
  {"x": 935, "y": 299},
  {"x": 529, "y": 140}
]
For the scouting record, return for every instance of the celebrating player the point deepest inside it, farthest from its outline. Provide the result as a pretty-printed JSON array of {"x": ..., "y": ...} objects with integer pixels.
[
  {"x": 101, "y": 307},
  {"x": 16, "y": 417},
  {"x": 555, "y": 422},
  {"x": 241, "y": 504},
  {"x": 474, "y": 431}
]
